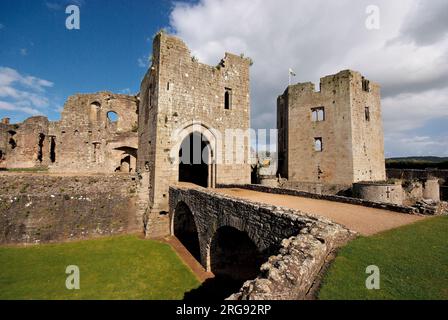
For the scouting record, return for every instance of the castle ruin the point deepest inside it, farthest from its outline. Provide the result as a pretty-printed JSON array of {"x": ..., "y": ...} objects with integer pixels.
[
  {"x": 97, "y": 133},
  {"x": 329, "y": 140}
]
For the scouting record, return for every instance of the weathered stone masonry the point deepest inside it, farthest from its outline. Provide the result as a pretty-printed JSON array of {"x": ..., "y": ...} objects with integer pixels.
[
  {"x": 46, "y": 208},
  {"x": 179, "y": 93},
  {"x": 88, "y": 138},
  {"x": 333, "y": 136},
  {"x": 289, "y": 275}
]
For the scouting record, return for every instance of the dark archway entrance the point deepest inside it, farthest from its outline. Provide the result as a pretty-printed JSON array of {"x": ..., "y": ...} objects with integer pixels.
[
  {"x": 185, "y": 230},
  {"x": 194, "y": 160}
]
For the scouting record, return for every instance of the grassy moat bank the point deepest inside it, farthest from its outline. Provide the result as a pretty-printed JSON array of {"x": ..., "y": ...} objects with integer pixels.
[
  {"x": 412, "y": 260},
  {"x": 122, "y": 267}
]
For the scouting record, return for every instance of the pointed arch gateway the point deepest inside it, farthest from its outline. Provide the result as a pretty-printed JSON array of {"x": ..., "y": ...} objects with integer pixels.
[{"x": 197, "y": 146}]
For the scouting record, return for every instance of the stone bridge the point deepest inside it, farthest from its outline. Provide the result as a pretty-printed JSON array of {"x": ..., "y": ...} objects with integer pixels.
[{"x": 233, "y": 238}]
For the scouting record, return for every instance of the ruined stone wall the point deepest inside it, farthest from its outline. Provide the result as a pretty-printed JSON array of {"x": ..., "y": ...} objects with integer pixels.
[
  {"x": 180, "y": 95},
  {"x": 352, "y": 143},
  {"x": 84, "y": 140},
  {"x": 88, "y": 140},
  {"x": 45, "y": 208},
  {"x": 25, "y": 144},
  {"x": 423, "y": 175},
  {"x": 4, "y": 143},
  {"x": 386, "y": 193}
]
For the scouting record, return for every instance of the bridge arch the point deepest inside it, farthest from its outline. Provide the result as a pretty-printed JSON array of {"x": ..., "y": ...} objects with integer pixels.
[
  {"x": 233, "y": 254},
  {"x": 183, "y": 227}
]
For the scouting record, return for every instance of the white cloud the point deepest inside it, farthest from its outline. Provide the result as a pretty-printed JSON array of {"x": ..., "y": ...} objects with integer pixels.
[
  {"x": 11, "y": 107},
  {"x": 143, "y": 62},
  {"x": 23, "y": 93},
  {"x": 23, "y": 52},
  {"x": 420, "y": 145},
  {"x": 318, "y": 38},
  {"x": 410, "y": 111},
  {"x": 62, "y": 4},
  {"x": 125, "y": 91}
]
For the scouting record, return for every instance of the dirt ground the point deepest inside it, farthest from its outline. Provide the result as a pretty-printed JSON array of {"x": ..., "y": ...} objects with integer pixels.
[{"x": 366, "y": 221}]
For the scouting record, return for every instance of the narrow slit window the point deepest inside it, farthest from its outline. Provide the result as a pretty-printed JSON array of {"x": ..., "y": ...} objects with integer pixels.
[
  {"x": 228, "y": 99},
  {"x": 53, "y": 149},
  {"x": 365, "y": 85},
  {"x": 367, "y": 113},
  {"x": 318, "y": 146}
]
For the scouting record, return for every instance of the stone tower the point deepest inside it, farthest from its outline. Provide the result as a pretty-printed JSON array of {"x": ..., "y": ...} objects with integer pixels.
[
  {"x": 182, "y": 101},
  {"x": 334, "y": 136}
]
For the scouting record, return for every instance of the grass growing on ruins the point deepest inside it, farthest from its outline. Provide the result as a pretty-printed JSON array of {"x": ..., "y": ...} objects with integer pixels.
[
  {"x": 123, "y": 267},
  {"x": 413, "y": 263},
  {"x": 42, "y": 169}
]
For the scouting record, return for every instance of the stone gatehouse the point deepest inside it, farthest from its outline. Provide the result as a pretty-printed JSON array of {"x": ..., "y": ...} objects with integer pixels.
[{"x": 183, "y": 101}]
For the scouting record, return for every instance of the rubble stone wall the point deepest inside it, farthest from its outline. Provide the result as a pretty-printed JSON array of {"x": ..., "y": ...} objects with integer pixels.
[{"x": 47, "y": 208}]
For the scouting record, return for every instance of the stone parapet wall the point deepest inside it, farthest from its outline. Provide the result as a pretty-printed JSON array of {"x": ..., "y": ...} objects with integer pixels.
[
  {"x": 319, "y": 188},
  {"x": 294, "y": 273},
  {"x": 292, "y": 192}
]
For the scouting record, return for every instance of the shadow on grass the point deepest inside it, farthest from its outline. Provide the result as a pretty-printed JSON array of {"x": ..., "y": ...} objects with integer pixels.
[{"x": 214, "y": 289}]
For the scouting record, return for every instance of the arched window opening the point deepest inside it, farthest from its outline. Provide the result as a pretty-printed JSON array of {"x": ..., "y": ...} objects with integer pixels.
[
  {"x": 112, "y": 116},
  {"x": 318, "y": 147},
  {"x": 95, "y": 108},
  {"x": 228, "y": 99}
]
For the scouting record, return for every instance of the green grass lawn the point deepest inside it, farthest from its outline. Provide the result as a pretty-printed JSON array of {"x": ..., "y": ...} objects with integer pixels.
[
  {"x": 413, "y": 263},
  {"x": 122, "y": 267}
]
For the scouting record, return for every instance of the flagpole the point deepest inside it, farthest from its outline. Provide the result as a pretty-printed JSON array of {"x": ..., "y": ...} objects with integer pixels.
[{"x": 291, "y": 74}]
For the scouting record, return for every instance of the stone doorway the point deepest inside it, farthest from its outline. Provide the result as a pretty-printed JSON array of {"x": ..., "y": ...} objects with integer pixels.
[{"x": 194, "y": 160}]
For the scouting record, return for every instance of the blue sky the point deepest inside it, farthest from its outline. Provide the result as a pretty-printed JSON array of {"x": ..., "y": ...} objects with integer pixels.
[
  {"x": 42, "y": 63},
  {"x": 103, "y": 55}
]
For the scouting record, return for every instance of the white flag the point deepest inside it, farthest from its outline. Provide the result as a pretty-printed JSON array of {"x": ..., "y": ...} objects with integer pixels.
[{"x": 291, "y": 72}]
